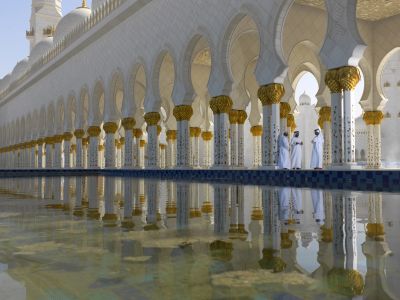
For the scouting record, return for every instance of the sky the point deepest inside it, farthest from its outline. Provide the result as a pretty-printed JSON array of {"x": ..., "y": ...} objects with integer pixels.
[{"x": 14, "y": 21}]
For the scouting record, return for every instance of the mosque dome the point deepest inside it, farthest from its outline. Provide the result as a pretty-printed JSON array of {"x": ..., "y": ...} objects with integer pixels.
[
  {"x": 304, "y": 99},
  {"x": 19, "y": 69},
  {"x": 70, "y": 21},
  {"x": 40, "y": 49},
  {"x": 5, "y": 82}
]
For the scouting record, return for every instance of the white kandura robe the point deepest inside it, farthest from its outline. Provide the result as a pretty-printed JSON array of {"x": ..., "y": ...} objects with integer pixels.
[
  {"x": 317, "y": 152},
  {"x": 284, "y": 157},
  {"x": 318, "y": 204},
  {"x": 296, "y": 154},
  {"x": 284, "y": 203}
]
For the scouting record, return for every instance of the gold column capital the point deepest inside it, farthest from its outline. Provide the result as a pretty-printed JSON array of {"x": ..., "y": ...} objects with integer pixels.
[
  {"x": 49, "y": 140},
  {"x": 207, "y": 135},
  {"x": 373, "y": 117},
  {"x": 79, "y": 133},
  {"x": 271, "y": 93},
  {"x": 137, "y": 132},
  {"x": 171, "y": 135},
  {"x": 291, "y": 122},
  {"x": 233, "y": 116},
  {"x": 284, "y": 110},
  {"x": 73, "y": 148},
  {"x": 242, "y": 117},
  {"x": 183, "y": 112},
  {"x": 67, "y": 136},
  {"x": 94, "y": 131},
  {"x": 221, "y": 104},
  {"x": 256, "y": 130},
  {"x": 324, "y": 115},
  {"x": 349, "y": 77},
  {"x": 142, "y": 143},
  {"x": 110, "y": 127},
  {"x": 85, "y": 141},
  {"x": 163, "y": 146},
  {"x": 128, "y": 123},
  {"x": 152, "y": 118},
  {"x": 195, "y": 131}
]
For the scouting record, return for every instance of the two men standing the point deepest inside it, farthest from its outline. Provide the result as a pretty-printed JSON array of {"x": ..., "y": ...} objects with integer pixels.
[{"x": 292, "y": 160}]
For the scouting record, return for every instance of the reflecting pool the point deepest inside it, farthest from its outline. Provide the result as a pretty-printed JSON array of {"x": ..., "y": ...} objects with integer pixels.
[{"x": 128, "y": 238}]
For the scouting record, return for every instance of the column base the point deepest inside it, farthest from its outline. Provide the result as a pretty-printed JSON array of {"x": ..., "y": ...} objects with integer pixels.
[
  {"x": 272, "y": 167},
  {"x": 346, "y": 166},
  {"x": 181, "y": 168}
]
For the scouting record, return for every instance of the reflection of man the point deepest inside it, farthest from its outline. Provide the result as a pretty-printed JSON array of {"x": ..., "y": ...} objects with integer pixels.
[
  {"x": 318, "y": 204},
  {"x": 317, "y": 152},
  {"x": 296, "y": 147},
  {"x": 297, "y": 204},
  {"x": 284, "y": 158},
  {"x": 284, "y": 204}
]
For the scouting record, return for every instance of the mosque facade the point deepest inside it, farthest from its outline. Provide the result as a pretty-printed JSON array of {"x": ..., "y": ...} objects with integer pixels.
[{"x": 195, "y": 84}]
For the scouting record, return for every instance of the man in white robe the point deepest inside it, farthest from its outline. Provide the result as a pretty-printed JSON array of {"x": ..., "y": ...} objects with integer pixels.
[
  {"x": 317, "y": 152},
  {"x": 284, "y": 157},
  {"x": 296, "y": 145}
]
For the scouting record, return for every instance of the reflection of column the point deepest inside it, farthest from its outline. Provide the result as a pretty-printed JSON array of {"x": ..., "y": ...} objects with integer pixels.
[
  {"x": 40, "y": 143},
  {"x": 128, "y": 198},
  {"x": 67, "y": 144},
  {"x": 221, "y": 200},
  {"x": 207, "y": 136},
  {"x": 242, "y": 116},
  {"x": 152, "y": 119},
  {"x": 182, "y": 205},
  {"x": 195, "y": 133},
  {"x": 128, "y": 124},
  {"x": 94, "y": 132},
  {"x": 85, "y": 143},
  {"x": 182, "y": 114},
  {"x": 233, "y": 120},
  {"x": 221, "y": 107},
  {"x": 152, "y": 205},
  {"x": 79, "y": 134},
  {"x": 78, "y": 209},
  {"x": 66, "y": 195},
  {"x": 233, "y": 227},
  {"x": 110, "y": 218},
  {"x": 325, "y": 117},
  {"x": 270, "y": 96},
  {"x": 93, "y": 210},
  {"x": 171, "y": 149},
  {"x": 257, "y": 132},
  {"x": 207, "y": 207},
  {"x": 110, "y": 129},
  {"x": 373, "y": 120},
  {"x": 171, "y": 202}
]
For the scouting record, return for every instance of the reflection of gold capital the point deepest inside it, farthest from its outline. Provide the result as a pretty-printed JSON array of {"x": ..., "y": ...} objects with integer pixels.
[
  {"x": 221, "y": 104},
  {"x": 183, "y": 112},
  {"x": 128, "y": 123},
  {"x": 327, "y": 234},
  {"x": 257, "y": 214},
  {"x": 152, "y": 118},
  {"x": 284, "y": 110},
  {"x": 286, "y": 242},
  {"x": 346, "y": 282},
  {"x": 375, "y": 229},
  {"x": 110, "y": 127},
  {"x": 373, "y": 117},
  {"x": 207, "y": 207},
  {"x": 271, "y": 93},
  {"x": 256, "y": 130}
]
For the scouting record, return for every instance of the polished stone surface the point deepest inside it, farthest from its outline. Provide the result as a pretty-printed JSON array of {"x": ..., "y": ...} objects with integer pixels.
[{"x": 135, "y": 238}]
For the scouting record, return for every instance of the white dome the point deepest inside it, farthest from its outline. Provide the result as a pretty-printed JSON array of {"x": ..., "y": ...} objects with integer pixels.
[
  {"x": 40, "y": 49},
  {"x": 70, "y": 21},
  {"x": 19, "y": 69},
  {"x": 5, "y": 82},
  {"x": 304, "y": 99}
]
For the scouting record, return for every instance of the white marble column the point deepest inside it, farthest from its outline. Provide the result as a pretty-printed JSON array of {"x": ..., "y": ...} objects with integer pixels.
[
  {"x": 163, "y": 148},
  {"x": 257, "y": 133},
  {"x": 128, "y": 124},
  {"x": 270, "y": 96},
  {"x": 138, "y": 163},
  {"x": 79, "y": 134},
  {"x": 49, "y": 152},
  {"x": 221, "y": 106},
  {"x": 152, "y": 119},
  {"x": 242, "y": 116},
  {"x": 195, "y": 133},
  {"x": 182, "y": 114},
  {"x": 373, "y": 121},
  {"x": 207, "y": 137},
  {"x": 94, "y": 133},
  {"x": 233, "y": 120},
  {"x": 171, "y": 151},
  {"x": 337, "y": 129},
  {"x": 110, "y": 129},
  {"x": 57, "y": 151},
  {"x": 324, "y": 121}
]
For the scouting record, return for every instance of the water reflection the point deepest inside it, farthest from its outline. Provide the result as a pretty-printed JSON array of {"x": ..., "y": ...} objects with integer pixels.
[{"x": 128, "y": 237}]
